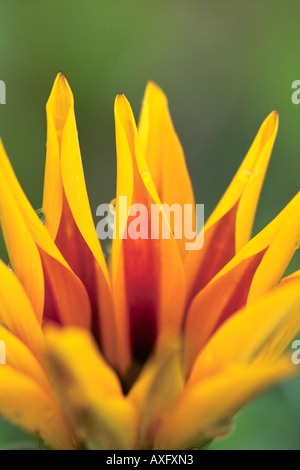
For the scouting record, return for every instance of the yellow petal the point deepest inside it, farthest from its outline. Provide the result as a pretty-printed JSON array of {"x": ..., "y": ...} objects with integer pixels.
[
  {"x": 90, "y": 391},
  {"x": 229, "y": 227},
  {"x": 68, "y": 214},
  {"x": 215, "y": 303},
  {"x": 272, "y": 248},
  {"x": 24, "y": 233},
  {"x": 295, "y": 275},
  {"x": 155, "y": 391},
  {"x": 19, "y": 357},
  {"x": 218, "y": 249},
  {"x": 58, "y": 109},
  {"x": 246, "y": 185},
  {"x": 164, "y": 155},
  {"x": 27, "y": 405},
  {"x": 23, "y": 253},
  {"x": 245, "y": 333},
  {"x": 280, "y": 239},
  {"x": 149, "y": 318},
  {"x": 283, "y": 336},
  {"x": 280, "y": 340},
  {"x": 280, "y": 252},
  {"x": 208, "y": 403},
  {"x": 16, "y": 312}
]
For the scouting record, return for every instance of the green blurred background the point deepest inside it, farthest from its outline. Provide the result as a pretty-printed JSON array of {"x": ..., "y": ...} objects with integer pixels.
[{"x": 224, "y": 65}]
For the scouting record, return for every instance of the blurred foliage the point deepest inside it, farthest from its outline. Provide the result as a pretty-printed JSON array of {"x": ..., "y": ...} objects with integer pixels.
[
  {"x": 224, "y": 66},
  {"x": 12, "y": 438}
]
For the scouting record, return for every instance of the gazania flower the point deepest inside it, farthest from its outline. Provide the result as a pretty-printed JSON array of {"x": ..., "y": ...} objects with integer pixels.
[{"x": 159, "y": 348}]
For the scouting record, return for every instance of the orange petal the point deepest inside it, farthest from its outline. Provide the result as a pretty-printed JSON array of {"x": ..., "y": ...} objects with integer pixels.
[
  {"x": 165, "y": 156},
  {"x": 149, "y": 297},
  {"x": 279, "y": 239},
  {"x": 246, "y": 333},
  {"x": 216, "y": 303},
  {"x": 68, "y": 215},
  {"x": 156, "y": 389},
  {"x": 218, "y": 249},
  {"x": 19, "y": 357},
  {"x": 229, "y": 227},
  {"x": 295, "y": 275},
  {"x": 22, "y": 251},
  {"x": 16, "y": 312},
  {"x": 24, "y": 234},
  {"x": 27, "y": 405},
  {"x": 90, "y": 391},
  {"x": 264, "y": 258},
  {"x": 210, "y": 402}
]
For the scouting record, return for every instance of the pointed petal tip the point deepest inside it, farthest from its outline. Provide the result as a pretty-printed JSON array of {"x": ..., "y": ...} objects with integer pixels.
[
  {"x": 153, "y": 90},
  {"x": 275, "y": 115},
  {"x": 122, "y": 106},
  {"x": 61, "y": 92},
  {"x": 60, "y": 77},
  {"x": 120, "y": 97},
  {"x": 151, "y": 85},
  {"x": 273, "y": 119},
  {"x": 269, "y": 126}
]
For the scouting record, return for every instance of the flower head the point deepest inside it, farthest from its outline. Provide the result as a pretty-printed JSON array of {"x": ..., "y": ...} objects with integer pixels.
[{"x": 161, "y": 346}]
